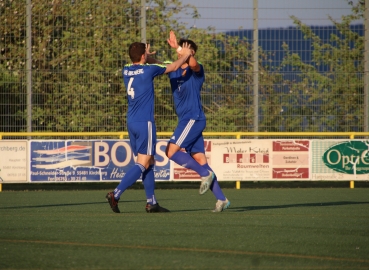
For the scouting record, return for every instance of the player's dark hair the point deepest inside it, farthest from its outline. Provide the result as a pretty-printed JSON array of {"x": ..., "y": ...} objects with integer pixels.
[
  {"x": 136, "y": 50},
  {"x": 188, "y": 41}
]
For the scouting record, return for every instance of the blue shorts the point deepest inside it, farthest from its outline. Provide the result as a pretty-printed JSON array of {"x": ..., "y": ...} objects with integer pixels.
[
  {"x": 142, "y": 136},
  {"x": 188, "y": 135}
]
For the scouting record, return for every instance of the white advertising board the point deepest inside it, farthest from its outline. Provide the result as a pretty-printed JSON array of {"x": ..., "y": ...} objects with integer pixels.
[
  {"x": 13, "y": 161},
  {"x": 254, "y": 160}
]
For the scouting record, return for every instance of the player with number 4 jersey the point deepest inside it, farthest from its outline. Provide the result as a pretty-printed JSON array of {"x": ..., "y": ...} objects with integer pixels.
[{"x": 139, "y": 82}]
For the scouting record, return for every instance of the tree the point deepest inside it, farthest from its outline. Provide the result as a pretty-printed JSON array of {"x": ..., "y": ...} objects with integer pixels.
[
  {"x": 79, "y": 49},
  {"x": 12, "y": 65},
  {"x": 328, "y": 92}
]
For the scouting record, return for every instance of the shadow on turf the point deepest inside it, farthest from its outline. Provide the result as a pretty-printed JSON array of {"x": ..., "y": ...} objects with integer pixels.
[
  {"x": 253, "y": 208},
  {"x": 58, "y": 205}
]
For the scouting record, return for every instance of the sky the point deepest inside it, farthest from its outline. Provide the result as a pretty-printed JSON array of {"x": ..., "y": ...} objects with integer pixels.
[{"x": 227, "y": 15}]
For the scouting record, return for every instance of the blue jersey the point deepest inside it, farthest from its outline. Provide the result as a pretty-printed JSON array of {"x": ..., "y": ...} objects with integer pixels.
[
  {"x": 139, "y": 82},
  {"x": 186, "y": 87}
]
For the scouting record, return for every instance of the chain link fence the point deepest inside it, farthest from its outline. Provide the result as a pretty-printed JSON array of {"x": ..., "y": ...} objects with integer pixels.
[{"x": 270, "y": 65}]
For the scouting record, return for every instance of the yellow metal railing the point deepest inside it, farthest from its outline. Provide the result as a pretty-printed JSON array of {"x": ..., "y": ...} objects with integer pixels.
[
  {"x": 119, "y": 135},
  {"x": 237, "y": 135}
]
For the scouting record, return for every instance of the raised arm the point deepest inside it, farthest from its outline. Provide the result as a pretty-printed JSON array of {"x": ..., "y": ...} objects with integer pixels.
[
  {"x": 149, "y": 59},
  {"x": 192, "y": 62},
  {"x": 194, "y": 65},
  {"x": 185, "y": 54},
  {"x": 172, "y": 40}
]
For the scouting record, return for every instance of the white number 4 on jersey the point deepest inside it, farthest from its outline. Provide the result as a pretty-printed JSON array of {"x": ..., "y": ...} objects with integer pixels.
[{"x": 130, "y": 90}]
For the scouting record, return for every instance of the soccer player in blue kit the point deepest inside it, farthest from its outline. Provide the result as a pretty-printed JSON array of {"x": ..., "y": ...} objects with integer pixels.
[
  {"x": 139, "y": 82},
  {"x": 186, "y": 83}
]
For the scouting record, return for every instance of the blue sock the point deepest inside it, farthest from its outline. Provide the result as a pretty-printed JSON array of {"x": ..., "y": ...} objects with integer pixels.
[
  {"x": 215, "y": 188},
  {"x": 148, "y": 179},
  {"x": 128, "y": 180},
  {"x": 185, "y": 160}
]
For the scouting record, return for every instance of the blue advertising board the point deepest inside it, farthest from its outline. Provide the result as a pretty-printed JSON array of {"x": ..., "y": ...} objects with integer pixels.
[{"x": 88, "y": 160}]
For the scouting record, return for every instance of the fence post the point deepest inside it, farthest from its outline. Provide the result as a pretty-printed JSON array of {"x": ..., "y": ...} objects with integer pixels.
[
  {"x": 29, "y": 63},
  {"x": 255, "y": 52},
  {"x": 352, "y": 183},
  {"x": 238, "y": 182},
  {"x": 143, "y": 21},
  {"x": 366, "y": 66}
]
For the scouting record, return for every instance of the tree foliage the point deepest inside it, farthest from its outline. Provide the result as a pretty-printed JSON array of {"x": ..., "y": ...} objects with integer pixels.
[
  {"x": 327, "y": 93},
  {"x": 79, "y": 48}
]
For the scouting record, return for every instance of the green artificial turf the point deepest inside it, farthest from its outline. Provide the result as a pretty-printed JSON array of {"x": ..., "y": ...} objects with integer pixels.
[{"x": 284, "y": 228}]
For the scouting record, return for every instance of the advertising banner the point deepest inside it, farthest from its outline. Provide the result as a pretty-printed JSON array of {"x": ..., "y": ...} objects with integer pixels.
[
  {"x": 257, "y": 160},
  {"x": 13, "y": 161},
  {"x": 231, "y": 159},
  {"x": 183, "y": 174},
  {"x": 88, "y": 160},
  {"x": 337, "y": 160}
]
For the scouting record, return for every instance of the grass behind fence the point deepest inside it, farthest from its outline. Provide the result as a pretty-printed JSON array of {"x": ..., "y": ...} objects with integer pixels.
[{"x": 300, "y": 228}]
